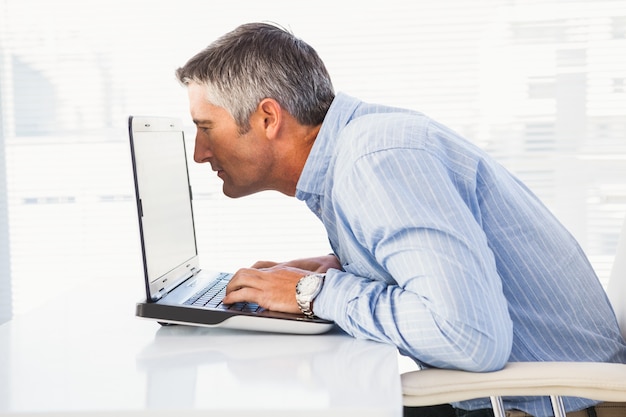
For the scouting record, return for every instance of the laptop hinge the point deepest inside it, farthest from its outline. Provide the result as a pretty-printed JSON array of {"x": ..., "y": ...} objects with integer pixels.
[
  {"x": 159, "y": 295},
  {"x": 163, "y": 292}
]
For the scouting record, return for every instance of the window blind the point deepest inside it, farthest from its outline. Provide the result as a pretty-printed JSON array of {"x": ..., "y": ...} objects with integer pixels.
[{"x": 539, "y": 84}]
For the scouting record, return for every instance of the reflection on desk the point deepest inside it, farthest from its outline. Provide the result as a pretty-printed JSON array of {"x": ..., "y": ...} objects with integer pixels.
[
  {"x": 72, "y": 357},
  {"x": 218, "y": 368}
]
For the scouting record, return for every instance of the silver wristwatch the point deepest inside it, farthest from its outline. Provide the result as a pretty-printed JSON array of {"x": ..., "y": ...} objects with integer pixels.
[{"x": 306, "y": 290}]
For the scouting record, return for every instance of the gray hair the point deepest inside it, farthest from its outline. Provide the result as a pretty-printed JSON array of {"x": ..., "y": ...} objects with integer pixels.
[{"x": 257, "y": 61}]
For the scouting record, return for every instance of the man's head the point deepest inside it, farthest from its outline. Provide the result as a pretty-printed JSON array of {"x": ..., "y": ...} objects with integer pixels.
[
  {"x": 258, "y": 97},
  {"x": 257, "y": 61}
]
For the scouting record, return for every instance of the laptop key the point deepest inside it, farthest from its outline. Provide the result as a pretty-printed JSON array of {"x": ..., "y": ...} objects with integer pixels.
[{"x": 214, "y": 291}]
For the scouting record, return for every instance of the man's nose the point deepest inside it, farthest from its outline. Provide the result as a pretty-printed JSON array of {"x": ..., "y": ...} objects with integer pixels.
[{"x": 201, "y": 152}]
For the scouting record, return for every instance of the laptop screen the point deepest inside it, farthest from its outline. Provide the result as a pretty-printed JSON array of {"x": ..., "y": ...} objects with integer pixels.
[{"x": 164, "y": 196}]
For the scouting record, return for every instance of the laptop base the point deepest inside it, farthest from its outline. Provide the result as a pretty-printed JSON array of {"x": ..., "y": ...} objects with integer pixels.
[{"x": 265, "y": 321}]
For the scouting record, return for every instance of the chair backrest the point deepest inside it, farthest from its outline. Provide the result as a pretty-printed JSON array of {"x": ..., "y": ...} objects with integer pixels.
[{"x": 616, "y": 288}]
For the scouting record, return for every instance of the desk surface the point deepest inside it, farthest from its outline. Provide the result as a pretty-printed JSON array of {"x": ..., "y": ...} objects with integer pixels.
[{"x": 78, "y": 355}]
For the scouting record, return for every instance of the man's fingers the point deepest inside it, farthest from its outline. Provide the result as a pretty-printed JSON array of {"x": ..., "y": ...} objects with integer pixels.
[
  {"x": 243, "y": 294},
  {"x": 248, "y": 284},
  {"x": 245, "y": 277}
]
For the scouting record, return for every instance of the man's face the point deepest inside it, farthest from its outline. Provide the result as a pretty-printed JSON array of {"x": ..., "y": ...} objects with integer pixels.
[{"x": 243, "y": 162}]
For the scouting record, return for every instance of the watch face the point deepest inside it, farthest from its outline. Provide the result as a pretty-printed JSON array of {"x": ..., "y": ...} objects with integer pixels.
[{"x": 308, "y": 285}]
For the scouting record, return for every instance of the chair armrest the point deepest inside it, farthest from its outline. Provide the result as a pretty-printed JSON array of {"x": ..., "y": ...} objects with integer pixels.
[{"x": 593, "y": 380}]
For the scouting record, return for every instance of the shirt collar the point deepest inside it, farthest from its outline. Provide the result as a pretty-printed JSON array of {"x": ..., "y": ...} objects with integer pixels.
[{"x": 339, "y": 114}]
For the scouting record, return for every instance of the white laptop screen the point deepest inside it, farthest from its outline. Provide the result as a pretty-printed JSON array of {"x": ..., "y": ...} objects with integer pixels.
[{"x": 165, "y": 199}]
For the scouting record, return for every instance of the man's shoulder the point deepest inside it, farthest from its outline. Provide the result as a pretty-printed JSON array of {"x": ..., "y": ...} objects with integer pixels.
[{"x": 374, "y": 132}]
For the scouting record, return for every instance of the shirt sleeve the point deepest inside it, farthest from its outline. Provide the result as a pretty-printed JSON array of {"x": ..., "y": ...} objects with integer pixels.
[{"x": 403, "y": 210}]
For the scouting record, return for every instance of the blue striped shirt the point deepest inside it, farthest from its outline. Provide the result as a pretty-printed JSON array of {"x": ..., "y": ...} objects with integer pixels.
[{"x": 445, "y": 254}]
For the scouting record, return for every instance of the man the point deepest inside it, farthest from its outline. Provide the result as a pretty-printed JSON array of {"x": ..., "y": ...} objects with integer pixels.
[{"x": 437, "y": 249}]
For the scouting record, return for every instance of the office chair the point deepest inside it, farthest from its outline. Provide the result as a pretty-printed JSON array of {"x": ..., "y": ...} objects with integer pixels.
[{"x": 597, "y": 381}]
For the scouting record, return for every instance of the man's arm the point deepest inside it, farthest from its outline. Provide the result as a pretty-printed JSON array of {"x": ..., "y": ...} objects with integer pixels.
[
  {"x": 441, "y": 298},
  {"x": 318, "y": 264}
]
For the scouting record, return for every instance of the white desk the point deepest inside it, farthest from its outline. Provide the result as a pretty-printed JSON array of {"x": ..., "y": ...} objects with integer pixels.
[{"x": 79, "y": 356}]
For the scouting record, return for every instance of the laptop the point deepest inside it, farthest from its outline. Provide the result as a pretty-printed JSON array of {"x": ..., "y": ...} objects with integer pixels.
[{"x": 178, "y": 290}]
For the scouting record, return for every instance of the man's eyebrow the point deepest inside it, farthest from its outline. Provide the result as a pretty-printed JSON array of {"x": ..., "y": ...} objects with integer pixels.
[{"x": 202, "y": 122}]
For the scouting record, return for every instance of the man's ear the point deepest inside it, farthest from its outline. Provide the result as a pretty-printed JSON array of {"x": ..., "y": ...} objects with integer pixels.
[{"x": 269, "y": 117}]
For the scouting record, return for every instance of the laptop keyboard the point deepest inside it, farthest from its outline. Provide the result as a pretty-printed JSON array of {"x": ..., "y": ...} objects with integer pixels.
[{"x": 211, "y": 296}]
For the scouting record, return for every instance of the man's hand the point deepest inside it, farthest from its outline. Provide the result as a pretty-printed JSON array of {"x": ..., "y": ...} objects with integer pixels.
[
  {"x": 272, "y": 285},
  {"x": 272, "y": 288}
]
